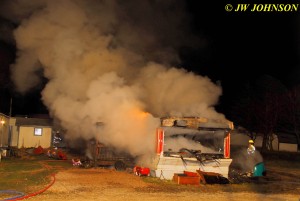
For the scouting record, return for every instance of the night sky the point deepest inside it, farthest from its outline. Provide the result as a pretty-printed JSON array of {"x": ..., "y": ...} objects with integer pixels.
[
  {"x": 243, "y": 46},
  {"x": 248, "y": 43},
  {"x": 236, "y": 47}
]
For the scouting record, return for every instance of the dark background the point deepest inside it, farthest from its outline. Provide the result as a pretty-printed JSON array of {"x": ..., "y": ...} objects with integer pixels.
[
  {"x": 239, "y": 47},
  {"x": 244, "y": 46}
]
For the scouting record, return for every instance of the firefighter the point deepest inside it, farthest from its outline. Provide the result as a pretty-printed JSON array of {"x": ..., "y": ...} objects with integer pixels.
[{"x": 251, "y": 147}]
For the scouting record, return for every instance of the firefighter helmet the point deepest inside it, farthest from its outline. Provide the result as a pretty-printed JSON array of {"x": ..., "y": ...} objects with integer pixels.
[{"x": 251, "y": 141}]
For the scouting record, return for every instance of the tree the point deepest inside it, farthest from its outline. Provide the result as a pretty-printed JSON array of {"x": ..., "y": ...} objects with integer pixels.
[
  {"x": 270, "y": 108},
  {"x": 242, "y": 110},
  {"x": 258, "y": 108},
  {"x": 290, "y": 117}
]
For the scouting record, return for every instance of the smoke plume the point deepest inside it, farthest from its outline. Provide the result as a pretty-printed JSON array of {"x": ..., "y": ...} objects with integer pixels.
[
  {"x": 175, "y": 144},
  {"x": 109, "y": 66}
]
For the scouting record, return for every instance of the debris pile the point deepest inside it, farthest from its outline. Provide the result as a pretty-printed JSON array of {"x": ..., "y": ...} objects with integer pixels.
[
  {"x": 76, "y": 162},
  {"x": 56, "y": 154}
]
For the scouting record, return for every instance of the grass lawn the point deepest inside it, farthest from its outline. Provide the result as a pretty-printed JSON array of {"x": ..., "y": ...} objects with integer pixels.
[{"x": 28, "y": 174}]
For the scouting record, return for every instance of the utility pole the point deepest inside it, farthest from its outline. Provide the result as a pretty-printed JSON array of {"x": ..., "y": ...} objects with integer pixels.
[
  {"x": 10, "y": 107},
  {"x": 2, "y": 124}
]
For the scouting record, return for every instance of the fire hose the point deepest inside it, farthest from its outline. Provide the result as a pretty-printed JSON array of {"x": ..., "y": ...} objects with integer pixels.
[
  {"x": 17, "y": 193},
  {"x": 22, "y": 196}
]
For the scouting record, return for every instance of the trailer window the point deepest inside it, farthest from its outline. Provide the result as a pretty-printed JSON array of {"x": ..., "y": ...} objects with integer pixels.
[
  {"x": 206, "y": 141},
  {"x": 38, "y": 131}
]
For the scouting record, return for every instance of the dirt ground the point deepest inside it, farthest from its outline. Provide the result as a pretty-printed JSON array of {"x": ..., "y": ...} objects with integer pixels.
[{"x": 107, "y": 184}]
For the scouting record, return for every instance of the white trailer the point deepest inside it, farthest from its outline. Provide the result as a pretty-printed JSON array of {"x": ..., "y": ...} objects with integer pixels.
[{"x": 191, "y": 144}]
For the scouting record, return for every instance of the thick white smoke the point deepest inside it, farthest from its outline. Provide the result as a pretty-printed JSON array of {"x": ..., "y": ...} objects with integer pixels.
[
  {"x": 175, "y": 144},
  {"x": 109, "y": 62}
]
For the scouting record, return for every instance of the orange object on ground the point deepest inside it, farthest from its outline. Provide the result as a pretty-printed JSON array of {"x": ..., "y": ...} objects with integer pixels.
[{"x": 191, "y": 178}]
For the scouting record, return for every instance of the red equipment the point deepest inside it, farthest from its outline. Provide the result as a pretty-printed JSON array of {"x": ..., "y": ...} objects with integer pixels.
[{"x": 141, "y": 171}]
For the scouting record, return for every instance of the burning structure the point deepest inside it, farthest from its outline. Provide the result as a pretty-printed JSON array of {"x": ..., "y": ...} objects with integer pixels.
[
  {"x": 116, "y": 62},
  {"x": 182, "y": 144},
  {"x": 191, "y": 144}
]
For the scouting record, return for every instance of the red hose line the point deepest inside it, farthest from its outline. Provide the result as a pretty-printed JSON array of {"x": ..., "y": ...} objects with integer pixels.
[{"x": 38, "y": 192}]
